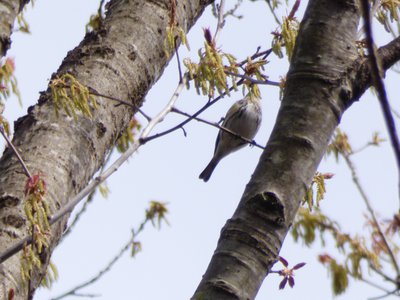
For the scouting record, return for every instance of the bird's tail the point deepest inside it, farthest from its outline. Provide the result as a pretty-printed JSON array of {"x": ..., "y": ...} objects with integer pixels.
[{"x": 206, "y": 174}]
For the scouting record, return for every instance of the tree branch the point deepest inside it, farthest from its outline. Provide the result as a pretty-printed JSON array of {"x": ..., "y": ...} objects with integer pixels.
[
  {"x": 252, "y": 80},
  {"x": 16, "y": 153},
  {"x": 273, "y": 12},
  {"x": 251, "y": 142},
  {"x": 108, "y": 267},
  {"x": 130, "y": 104},
  {"x": 388, "y": 54},
  {"x": 113, "y": 60},
  {"x": 380, "y": 88},
  {"x": 310, "y": 110},
  {"x": 221, "y": 20},
  {"x": 371, "y": 211}
]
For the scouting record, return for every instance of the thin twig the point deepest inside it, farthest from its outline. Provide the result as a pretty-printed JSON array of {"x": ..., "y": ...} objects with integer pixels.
[
  {"x": 102, "y": 177},
  {"x": 273, "y": 12},
  {"x": 15, "y": 248},
  {"x": 86, "y": 295},
  {"x": 124, "y": 157},
  {"x": 202, "y": 109},
  {"x": 383, "y": 275},
  {"x": 371, "y": 211},
  {"x": 369, "y": 144},
  {"x": 373, "y": 10},
  {"x": 178, "y": 61},
  {"x": 335, "y": 232},
  {"x": 361, "y": 148},
  {"x": 380, "y": 88},
  {"x": 373, "y": 284},
  {"x": 263, "y": 54},
  {"x": 192, "y": 117},
  {"x": 221, "y": 20},
  {"x": 86, "y": 203},
  {"x": 108, "y": 266},
  {"x": 252, "y": 80},
  {"x": 143, "y": 138},
  {"x": 78, "y": 215},
  {"x": 394, "y": 292},
  {"x": 10, "y": 144},
  {"x": 395, "y": 112},
  {"x": 100, "y": 10},
  {"x": 207, "y": 105},
  {"x": 251, "y": 142},
  {"x": 96, "y": 93},
  {"x": 114, "y": 167}
]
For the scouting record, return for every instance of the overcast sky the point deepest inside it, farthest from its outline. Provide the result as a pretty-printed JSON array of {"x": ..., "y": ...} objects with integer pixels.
[{"x": 174, "y": 258}]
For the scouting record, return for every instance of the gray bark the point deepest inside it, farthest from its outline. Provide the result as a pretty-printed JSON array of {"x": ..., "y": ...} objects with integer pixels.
[
  {"x": 122, "y": 60},
  {"x": 9, "y": 9},
  {"x": 325, "y": 77},
  {"x": 318, "y": 90}
]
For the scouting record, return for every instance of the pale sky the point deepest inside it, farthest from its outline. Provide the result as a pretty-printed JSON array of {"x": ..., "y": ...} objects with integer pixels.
[{"x": 174, "y": 258}]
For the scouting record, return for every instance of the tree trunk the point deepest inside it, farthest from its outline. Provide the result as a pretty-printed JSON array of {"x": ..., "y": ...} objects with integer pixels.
[
  {"x": 9, "y": 9},
  {"x": 123, "y": 59},
  {"x": 317, "y": 93},
  {"x": 325, "y": 77}
]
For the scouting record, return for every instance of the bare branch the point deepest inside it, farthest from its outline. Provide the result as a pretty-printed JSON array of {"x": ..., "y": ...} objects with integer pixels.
[
  {"x": 389, "y": 54},
  {"x": 380, "y": 88},
  {"x": 221, "y": 20},
  {"x": 178, "y": 62},
  {"x": 263, "y": 54},
  {"x": 396, "y": 113},
  {"x": 102, "y": 177},
  {"x": 251, "y": 142},
  {"x": 10, "y": 144},
  {"x": 78, "y": 215},
  {"x": 183, "y": 123},
  {"x": 124, "y": 157},
  {"x": 108, "y": 267},
  {"x": 273, "y": 12},
  {"x": 252, "y": 80},
  {"x": 88, "y": 200},
  {"x": 371, "y": 211},
  {"x": 96, "y": 93},
  {"x": 387, "y": 294},
  {"x": 373, "y": 284},
  {"x": 143, "y": 138}
]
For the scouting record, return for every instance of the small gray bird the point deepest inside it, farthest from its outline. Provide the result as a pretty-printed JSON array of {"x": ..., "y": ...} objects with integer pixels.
[{"x": 244, "y": 118}]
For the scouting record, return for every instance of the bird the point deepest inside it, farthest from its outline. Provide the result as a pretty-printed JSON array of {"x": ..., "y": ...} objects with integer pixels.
[{"x": 243, "y": 118}]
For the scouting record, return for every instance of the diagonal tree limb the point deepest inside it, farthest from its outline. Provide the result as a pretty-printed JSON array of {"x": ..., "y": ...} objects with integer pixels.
[
  {"x": 316, "y": 96},
  {"x": 390, "y": 124},
  {"x": 388, "y": 54},
  {"x": 312, "y": 105},
  {"x": 113, "y": 61},
  {"x": 129, "y": 244},
  {"x": 16, "y": 153},
  {"x": 379, "y": 85}
]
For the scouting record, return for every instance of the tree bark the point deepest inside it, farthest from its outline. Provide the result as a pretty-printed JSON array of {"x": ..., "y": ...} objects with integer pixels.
[
  {"x": 9, "y": 9},
  {"x": 325, "y": 77},
  {"x": 317, "y": 92},
  {"x": 123, "y": 59}
]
